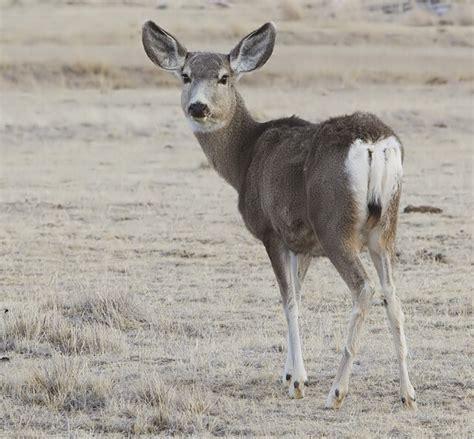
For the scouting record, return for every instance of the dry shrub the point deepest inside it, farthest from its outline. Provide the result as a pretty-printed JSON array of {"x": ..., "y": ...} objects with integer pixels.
[
  {"x": 114, "y": 309},
  {"x": 63, "y": 335},
  {"x": 175, "y": 411},
  {"x": 61, "y": 383},
  {"x": 291, "y": 10}
]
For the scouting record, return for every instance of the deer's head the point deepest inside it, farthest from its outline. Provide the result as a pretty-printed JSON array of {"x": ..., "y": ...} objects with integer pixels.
[{"x": 208, "y": 96}]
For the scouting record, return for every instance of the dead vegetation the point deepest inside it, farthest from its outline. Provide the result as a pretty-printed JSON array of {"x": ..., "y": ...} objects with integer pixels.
[
  {"x": 37, "y": 331},
  {"x": 422, "y": 209},
  {"x": 157, "y": 407},
  {"x": 145, "y": 405},
  {"x": 90, "y": 323},
  {"x": 60, "y": 383},
  {"x": 81, "y": 75},
  {"x": 119, "y": 310}
]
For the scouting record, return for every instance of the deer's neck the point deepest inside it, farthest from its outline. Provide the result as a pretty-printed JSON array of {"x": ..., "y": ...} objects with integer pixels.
[{"x": 229, "y": 149}]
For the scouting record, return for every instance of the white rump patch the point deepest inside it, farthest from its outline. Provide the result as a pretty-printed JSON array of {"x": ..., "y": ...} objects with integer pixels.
[{"x": 375, "y": 172}]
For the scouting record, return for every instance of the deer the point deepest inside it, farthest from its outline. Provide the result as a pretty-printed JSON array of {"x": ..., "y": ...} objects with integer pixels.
[{"x": 304, "y": 190}]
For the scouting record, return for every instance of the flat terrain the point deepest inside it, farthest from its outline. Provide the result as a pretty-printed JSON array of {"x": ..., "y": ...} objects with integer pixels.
[{"x": 135, "y": 302}]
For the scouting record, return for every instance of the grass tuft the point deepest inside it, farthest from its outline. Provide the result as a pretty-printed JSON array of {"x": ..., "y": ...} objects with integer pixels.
[
  {"x": 173, "y": 410},
  {"x": 64, "y": 335},
  {"x": 114, "y": 309},
  {"x": 61, "y": 383}
]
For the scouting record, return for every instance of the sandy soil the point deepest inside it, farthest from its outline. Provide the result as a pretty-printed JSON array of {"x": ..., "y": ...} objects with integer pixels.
[{"x": 135, "y": 302}]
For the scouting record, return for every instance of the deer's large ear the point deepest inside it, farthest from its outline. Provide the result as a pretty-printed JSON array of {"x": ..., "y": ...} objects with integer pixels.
[
  {"x": 254, "y": 50},
  {"x": 162, "y": 48}
]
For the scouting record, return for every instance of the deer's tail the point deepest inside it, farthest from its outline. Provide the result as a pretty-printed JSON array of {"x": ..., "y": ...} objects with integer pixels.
[{"x": 375, "y": 172}]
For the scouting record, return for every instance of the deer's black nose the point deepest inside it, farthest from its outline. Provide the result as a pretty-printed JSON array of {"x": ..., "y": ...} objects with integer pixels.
[{"x": 198, "y": 110}]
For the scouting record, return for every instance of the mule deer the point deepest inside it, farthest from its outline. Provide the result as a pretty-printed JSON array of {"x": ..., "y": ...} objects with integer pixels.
[{"x": 304, "y": 189}]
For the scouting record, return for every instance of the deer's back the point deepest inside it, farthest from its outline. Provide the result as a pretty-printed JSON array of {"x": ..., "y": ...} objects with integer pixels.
[{"x": 295, "y": 161}]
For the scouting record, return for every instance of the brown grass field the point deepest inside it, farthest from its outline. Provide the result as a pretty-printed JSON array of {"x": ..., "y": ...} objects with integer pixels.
[{"x": 133, "y": 300}]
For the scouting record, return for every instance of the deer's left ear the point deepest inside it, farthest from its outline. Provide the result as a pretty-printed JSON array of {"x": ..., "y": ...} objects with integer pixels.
[
  {"x": 162, "y": 48},
  {"x": 254, "y": 50}
]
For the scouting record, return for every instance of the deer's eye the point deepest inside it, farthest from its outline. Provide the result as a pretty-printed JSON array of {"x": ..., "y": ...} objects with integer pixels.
[
  {"x": 223, "y": 79},
  {"x": 186, "y": 78}
]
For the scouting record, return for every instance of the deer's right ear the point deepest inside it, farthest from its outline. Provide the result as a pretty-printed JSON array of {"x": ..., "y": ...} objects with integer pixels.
[
  {"x": 254, "y": 50},
  {"x": 162, "y": 48}
]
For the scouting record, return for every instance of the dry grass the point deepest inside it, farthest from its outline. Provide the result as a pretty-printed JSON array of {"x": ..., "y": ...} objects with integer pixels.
[
  {"x": 157, "y": 407},
  {"x": 89, "y": 323},
  {"x": 49, "y": 329},
  {"x": 81, "y": 75},
  {"x": 60, "y": 383},
  {"x": 115, "y": 309}
]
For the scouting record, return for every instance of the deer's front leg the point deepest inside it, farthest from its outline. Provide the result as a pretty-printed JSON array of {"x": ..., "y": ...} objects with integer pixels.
[
  {"x": 285, "y": 268},
  {"x": 288, "y": 369},
  {"x": 299, "y": 265}
]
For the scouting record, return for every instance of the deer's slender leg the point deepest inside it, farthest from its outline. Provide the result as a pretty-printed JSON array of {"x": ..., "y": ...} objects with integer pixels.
[
  {"x": 380, "y": 252},
  {"x": 347, "y": 262},
  {"x": 285, "y": 268},
  {"x": 299, "y": 267},
  {"x": 288, "y": 369}
]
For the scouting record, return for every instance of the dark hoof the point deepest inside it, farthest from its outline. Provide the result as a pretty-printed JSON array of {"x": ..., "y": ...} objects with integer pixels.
[
  {"x": 335, "y": 399},
  {"x": 409, "y": 402},
  {"x": 297, "y": 390}
]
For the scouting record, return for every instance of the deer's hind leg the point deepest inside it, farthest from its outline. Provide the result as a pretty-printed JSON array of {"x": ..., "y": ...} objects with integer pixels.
[
  {"x": 381, "y": 247},
  {"x": 338, "y": 232},
  {"x": 349, "y": 266}
]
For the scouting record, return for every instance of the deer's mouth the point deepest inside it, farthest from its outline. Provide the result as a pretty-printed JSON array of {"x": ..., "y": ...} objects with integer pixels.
[
  {"x": 205, "y": 124},
  {"x": 206, "y": 120},
  {"x": 200, "y": 119}
]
